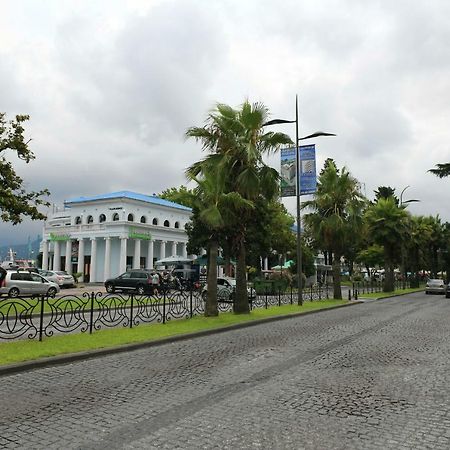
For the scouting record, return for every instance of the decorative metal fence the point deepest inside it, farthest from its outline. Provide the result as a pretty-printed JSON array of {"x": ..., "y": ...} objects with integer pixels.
[
  {"x": 370, "y": 287},
  {"x": 43, "y": 316}
]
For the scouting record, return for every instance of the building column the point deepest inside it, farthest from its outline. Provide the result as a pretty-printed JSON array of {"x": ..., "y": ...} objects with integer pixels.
[
  {"x": 174, "y": 248},
  {"x": 184, "y": 249},
  {"x": 107, "y": 258},
  {"x": 162, "y": 251},
  {"x": 150, "y": 255},
  {"x": 44, "y": 255},
  {"x": 80, "y": 264},
  {"x": 137, "y": 254},
  {"x": 68, "y": 266},
  {"x": 93, "y": 277},
  {"x": 57, "y": 256},
  {"x": 123, "y": 254}
]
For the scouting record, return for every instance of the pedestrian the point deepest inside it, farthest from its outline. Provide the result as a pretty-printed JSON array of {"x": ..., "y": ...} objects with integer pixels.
[{"x": 155, "y": 283}]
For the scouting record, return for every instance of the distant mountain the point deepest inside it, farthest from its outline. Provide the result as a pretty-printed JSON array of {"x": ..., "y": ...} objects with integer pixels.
[{"x": 23, "y": 251}]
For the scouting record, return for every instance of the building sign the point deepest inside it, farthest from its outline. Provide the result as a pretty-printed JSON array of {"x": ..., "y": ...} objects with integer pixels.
[
  {"x": 308, "y": 181},
  {"x": 59, "y": 237},
  {"x": 288, "y": 187},
  {"x": 133, "y": 233}
]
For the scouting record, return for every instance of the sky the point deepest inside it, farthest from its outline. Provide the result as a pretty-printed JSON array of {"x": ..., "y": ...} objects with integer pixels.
[{"x": 112, "y": 86}]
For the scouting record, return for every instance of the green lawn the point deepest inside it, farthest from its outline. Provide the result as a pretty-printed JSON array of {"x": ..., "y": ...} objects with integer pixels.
[
  {"x": 26, "y": 350},
  {"x": 390, "y": 294}
]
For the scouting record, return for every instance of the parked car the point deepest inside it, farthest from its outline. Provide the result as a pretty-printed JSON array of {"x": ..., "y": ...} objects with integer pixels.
[
  {"x": 133, "y": 280},
  {"x": 226, "y": 288},
  {"x": 435, "y": 286},
  {"x": 61, "y": 278},
  {"x": 15, "y": 283},
  {"x": 447, "y": 291}
]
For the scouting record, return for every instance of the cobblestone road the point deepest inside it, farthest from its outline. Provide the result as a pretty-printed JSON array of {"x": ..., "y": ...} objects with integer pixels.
[{"x": 373, "y": 376}]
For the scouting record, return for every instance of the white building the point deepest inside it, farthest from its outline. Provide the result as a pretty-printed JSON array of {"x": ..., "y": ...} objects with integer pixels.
[{"x": 104, "y": 235}]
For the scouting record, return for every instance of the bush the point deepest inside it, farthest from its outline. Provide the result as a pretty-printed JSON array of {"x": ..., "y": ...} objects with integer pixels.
[{"x": 77, "y": 275}]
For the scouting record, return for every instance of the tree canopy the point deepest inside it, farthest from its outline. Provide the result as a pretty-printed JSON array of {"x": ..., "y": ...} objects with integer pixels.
[{"x": 15, "y": 202}]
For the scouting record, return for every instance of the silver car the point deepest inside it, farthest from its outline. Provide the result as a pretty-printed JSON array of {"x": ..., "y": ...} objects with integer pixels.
[
  {"x": 16, "y": 283},
  {"x": 435, "y": 286},
  {"x": 61, "y": 278}
]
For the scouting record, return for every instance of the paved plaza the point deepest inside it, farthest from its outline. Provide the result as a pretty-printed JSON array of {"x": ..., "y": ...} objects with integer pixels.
[{"x": 371, "y": 376}]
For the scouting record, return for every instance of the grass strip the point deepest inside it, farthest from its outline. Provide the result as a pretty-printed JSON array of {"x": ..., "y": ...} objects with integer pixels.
[
  {"x": 27, "y": 350},
  {"x": 390, "y": 294}
]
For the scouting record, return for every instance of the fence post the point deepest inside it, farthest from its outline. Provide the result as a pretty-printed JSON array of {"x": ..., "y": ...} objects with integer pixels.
[
  {"x": 164, "y": 305},
  {"x": 131, "y": 310},
  {"x": 41, "y": 319},
  {"x": 279, "y": 297},
  {"x": 266, "y": 296},
  {"x": 190, "y": 302},
  {"x": 91, "y": 316},
  {"x": 349, "y": 294},
  {"x": 291, "y": 294}
]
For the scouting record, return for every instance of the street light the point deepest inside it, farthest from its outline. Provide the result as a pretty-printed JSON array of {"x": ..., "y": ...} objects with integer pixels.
[{"x": 297, "y": 177}]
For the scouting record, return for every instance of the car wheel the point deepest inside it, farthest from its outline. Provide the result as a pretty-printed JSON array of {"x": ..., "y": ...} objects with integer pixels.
[
  {"x": 14, "y": 292},
  {"x": 140, "y": 290},
  {"x": 426, "y": 292},
  {"x": 110, "y": 288},
  {"x": 51, "y": 292},
  {"x": 447, "y": 295}
]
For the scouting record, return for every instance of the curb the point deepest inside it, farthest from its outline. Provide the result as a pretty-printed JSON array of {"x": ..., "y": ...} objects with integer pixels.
[
  {"x": 390, "y": 296},
  {"x": 79, "y": 356}
]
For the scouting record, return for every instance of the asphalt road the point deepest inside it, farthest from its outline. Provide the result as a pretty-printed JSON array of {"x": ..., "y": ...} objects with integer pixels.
[{"x": 371, "y": 376}]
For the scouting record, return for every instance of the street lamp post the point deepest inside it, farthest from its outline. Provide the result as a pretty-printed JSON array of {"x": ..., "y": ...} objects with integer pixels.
[{"x": 297, "y": 177}]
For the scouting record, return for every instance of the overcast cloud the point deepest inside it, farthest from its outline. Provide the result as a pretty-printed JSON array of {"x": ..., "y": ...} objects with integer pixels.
[{"x": 111, "y": 87}]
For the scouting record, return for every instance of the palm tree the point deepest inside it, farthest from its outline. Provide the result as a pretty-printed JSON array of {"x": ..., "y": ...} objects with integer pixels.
[
  {"x": 387, "y": 224},
  {"x": 336, "y": 215},
  {"x": 237, "y": 143},
  {"x": 441, "y": 170}
]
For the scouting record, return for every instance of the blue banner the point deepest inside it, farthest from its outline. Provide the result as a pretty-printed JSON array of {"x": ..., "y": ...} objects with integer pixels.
[{"x": 308, "y": 180}]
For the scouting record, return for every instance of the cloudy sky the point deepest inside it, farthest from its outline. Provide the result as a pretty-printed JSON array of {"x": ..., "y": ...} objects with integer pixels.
[{"x": 111, "y": 87}]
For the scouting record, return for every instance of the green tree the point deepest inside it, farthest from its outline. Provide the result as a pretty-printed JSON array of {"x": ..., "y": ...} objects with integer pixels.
[
  {"x": 441, "y": 170},
  {"x": 236, "y": 142},
  {"x": 15, "y": 202},
  {"x": 387, "y": 224},
  {"x": 336, "y": 216},
  {"x": 181, "y": 195}
]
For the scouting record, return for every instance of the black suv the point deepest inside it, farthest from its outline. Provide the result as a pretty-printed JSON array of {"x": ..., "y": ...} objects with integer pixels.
[{"x": 134, "y": 280}]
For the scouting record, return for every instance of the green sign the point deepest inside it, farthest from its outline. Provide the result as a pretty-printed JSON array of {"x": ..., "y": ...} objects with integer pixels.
[
  {"x": 134, "y": 234},
  {"x": 59, "y": 237}
]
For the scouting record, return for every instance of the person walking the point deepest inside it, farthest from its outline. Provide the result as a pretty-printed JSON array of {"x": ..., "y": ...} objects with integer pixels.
[{"x": 155, "y": 283}]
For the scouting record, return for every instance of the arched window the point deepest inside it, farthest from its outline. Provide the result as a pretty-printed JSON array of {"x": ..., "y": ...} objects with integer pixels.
[
  {"x": 166, "y": 223},
  {"x": 77, "y": 220},
  {"x": 143, "y": 219},
  {"x": 177, "y": 225},
  {"x": 102, "y": 218},
  {"x": 130, "y": 218},
  {"x": 155, "y": 221},
  {"x": 90, "y": 219},
  {"x": 115, "y": 217}
]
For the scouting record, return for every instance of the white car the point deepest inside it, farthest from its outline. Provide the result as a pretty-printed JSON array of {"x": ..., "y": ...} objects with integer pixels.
[
  {"x": 226, "y": 288},
  {"x": 16, "y": 283},
  {"x": 61, "y": 278}
]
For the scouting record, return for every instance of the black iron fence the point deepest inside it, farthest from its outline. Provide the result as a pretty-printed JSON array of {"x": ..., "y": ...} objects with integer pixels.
[
  {"x": 43, "y": 316},
  {"x": 371, "y": 287}
]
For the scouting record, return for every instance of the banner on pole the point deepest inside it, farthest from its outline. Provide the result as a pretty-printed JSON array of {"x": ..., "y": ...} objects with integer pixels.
[
  {"x": 288, "y": 165},
  {"x": 308, "y": 180}
]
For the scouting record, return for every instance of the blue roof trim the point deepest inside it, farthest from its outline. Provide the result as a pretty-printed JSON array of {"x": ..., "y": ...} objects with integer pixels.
[{"x": 131, "y": 195}]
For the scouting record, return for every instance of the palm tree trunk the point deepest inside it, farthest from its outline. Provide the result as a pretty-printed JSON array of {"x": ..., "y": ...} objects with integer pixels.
[
  {"x": 388, "y": 284},
  {"x": 241, "y": 305},
  {"x": 211, "y": 297},
  {"x": 337, "y": 292}
]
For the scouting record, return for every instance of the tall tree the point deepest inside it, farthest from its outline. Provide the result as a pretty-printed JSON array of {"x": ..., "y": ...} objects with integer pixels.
[
  {"x": 237, "y": 143},
  {"x": 387, "y": 224},
  {"x": 336, "y": 216},
  {"x": 15, "y": 202}
]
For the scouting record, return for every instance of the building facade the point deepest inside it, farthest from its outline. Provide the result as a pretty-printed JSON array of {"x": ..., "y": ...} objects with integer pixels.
[{"x": 102, "y": 236}]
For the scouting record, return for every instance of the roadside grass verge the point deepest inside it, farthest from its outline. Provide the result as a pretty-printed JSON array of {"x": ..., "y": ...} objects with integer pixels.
[
  {"x": 391, "y": 294},
  {"x": 27, "y": 350}
]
